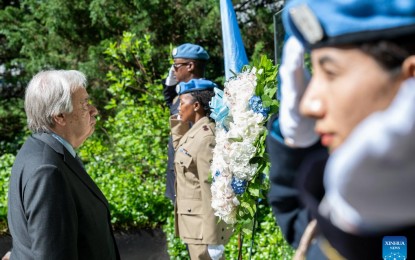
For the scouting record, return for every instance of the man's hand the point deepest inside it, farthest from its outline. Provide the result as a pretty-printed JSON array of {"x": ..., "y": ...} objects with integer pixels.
[
  {"x": 171, "y": 78},
  {"x": 296, "y": 129}
]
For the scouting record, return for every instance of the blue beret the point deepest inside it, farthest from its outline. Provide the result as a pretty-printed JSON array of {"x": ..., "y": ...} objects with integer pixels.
[
  {"x": 333, "y": 22},
  {"x": 190, "y": 51},
  {"x": 195, "y": 85}
]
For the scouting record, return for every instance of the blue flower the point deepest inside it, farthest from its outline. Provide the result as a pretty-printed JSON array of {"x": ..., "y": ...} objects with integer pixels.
[
  {"x": 217, "y": 173},
  {"x": 255, "y": 103},
  {"x": 238, "y": 185}
]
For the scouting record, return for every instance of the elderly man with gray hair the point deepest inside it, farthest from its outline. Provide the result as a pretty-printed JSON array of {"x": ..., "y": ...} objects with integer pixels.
[{"x": 56, "y": 211}]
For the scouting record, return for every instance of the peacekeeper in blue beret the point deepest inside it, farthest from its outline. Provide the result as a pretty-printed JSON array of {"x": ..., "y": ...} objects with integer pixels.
[
  {"x": 190, "y": 62},
  {"x": 363, "y": 61},
  {"x": 195, "y": 221}
]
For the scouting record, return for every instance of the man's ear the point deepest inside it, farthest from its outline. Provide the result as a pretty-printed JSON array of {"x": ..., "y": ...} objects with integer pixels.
[
  {"x": 60, "y": 119},
  {"x": 408, "y": 67},
  {"x": 191, "y": 66}
]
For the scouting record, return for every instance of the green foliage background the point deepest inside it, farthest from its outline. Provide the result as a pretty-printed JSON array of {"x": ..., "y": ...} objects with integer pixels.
[
  {"x": 37, "y": 35},
  {"x": 127, "y": 157}
]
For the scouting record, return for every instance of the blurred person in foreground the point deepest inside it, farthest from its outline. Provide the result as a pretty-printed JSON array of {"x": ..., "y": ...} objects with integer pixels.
[
  {"x": 56, "y": 211},
  {"x": 189, "y": 63},
  {"x": 195, "y": 221},
  {"x": 363, "y": 62}
]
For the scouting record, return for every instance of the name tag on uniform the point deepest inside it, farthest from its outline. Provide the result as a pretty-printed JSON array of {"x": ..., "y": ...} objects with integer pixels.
[{"x": 182, "y": 150}]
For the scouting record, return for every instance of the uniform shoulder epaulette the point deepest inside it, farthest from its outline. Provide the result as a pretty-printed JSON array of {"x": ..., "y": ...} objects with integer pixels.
[{"x": 207, "y": 129}]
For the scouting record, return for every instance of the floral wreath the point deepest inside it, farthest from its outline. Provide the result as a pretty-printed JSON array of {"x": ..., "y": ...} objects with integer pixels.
[{"x": 239, "y": 163}]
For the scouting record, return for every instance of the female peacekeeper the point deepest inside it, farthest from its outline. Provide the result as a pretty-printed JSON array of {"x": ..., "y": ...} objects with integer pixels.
[
  {"x": 193, "y": 135},
  {"x": 362, "y": 54}
]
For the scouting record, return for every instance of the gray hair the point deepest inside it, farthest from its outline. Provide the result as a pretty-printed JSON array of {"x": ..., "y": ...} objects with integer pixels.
[{"x": 49, "y": 94}]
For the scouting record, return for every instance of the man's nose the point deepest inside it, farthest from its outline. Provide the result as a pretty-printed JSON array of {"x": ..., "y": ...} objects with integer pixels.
[{"x": 94, "y": 111}]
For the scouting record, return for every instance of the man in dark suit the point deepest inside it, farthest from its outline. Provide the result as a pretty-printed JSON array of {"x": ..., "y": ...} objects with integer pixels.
[{"x": 56, "y": 211}]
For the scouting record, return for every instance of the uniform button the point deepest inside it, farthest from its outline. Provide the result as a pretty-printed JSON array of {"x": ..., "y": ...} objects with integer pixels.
[
  {"x": 223, "y": 229},
  {"x": 189, "y": 210},
  {"x": 222, "y": 238}
]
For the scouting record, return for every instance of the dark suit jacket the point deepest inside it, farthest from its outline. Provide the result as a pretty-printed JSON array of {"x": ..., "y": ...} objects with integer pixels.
[
  {"x": 56, "y": 211},
  {"x": 284, "y": 197},
  {"x": 172, "y": 101}
]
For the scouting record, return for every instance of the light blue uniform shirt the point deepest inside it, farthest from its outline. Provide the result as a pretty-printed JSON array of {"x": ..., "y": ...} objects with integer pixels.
[{"x": 65, "y": 143}]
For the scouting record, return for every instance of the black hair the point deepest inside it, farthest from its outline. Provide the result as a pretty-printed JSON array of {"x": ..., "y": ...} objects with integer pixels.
[
  {"x": 203, "y": 97},
  {"x": 390, "y": 54}
]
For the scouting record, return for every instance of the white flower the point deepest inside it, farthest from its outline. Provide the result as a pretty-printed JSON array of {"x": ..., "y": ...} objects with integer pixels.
[
  {"x": 222, "y": 199},
  {"x": 235, "y": 147}
]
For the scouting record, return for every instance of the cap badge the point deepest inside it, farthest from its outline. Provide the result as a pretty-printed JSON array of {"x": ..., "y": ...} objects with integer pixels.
[
  {"x": 307, "y": 23},
  {"x": 174, "y": 52}
]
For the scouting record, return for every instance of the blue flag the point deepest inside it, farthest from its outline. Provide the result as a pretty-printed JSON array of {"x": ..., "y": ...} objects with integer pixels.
[{"x": 233, "y": 47}]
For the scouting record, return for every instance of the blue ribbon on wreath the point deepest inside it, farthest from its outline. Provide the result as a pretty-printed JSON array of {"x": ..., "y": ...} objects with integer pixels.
[{"x": 219, "y": 111}]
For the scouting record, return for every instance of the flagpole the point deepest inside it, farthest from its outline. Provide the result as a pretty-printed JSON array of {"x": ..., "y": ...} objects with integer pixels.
[{"x": 277, "y": 35}]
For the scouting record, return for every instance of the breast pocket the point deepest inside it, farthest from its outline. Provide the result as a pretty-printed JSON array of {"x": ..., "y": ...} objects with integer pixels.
[
  {"x": 183, "y": 158},
  {"x": 187, "y": 177}
]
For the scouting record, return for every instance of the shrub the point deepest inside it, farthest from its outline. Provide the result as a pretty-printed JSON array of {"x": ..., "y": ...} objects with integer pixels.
[
  {"x": 268, "y": 242},
  {"x": 128, "y": 154},
  {"x": 6, "y": 163}
]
